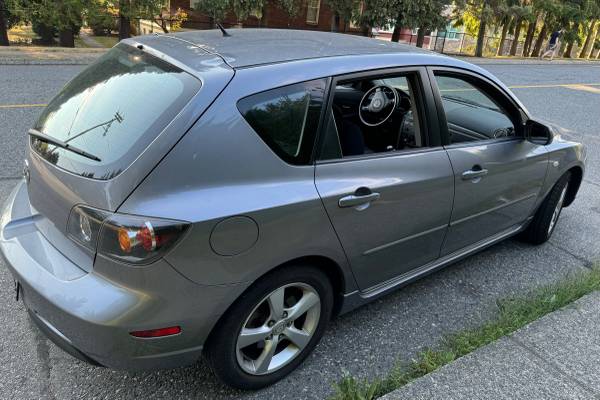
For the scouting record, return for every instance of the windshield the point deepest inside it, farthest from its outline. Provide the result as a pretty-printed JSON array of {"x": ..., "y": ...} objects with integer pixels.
[{"x": 112, "y": 110}]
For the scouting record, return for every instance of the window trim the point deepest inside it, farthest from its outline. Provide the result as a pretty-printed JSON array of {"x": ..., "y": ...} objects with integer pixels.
[
  {"x": 518, "y": 116},
  {"x": 426, "y": 108},
  {"x": 318, "y": 8}
]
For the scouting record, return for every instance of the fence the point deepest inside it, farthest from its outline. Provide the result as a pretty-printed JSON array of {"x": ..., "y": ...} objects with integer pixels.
[{"x": 456, "y": 43}]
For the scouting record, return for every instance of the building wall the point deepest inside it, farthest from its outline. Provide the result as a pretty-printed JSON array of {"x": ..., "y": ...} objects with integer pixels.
[{"x": 273, "y": 18}]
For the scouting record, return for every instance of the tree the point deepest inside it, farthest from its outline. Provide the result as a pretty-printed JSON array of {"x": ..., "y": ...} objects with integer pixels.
[
  {"x": 479, "y": 13},
  {"x": 428, "y": 15},
  {"x": 522, "y": 13},
  {"x": 215, "y": 9},
  {"x": 244, "y": 8},
  {"x": 343, "y": 9},
  {"x": 9, "y": 17},
  {"x": 291, "y": 7}
]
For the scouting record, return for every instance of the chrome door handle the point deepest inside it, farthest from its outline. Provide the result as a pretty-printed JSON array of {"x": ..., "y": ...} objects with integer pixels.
[
  {"x": 474, "y": 173},
  {"x": 354, "y": 200}
]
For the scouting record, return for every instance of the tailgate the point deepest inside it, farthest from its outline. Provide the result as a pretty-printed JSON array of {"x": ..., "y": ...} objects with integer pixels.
[{"x": 128, "y": 109}]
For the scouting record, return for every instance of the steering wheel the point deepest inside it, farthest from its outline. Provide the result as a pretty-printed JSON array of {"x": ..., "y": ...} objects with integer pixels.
[{"x": 377, "y": 105}]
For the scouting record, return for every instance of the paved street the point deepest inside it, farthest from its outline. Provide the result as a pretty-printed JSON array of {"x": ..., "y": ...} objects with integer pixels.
[{"x": 365, "y": 342}]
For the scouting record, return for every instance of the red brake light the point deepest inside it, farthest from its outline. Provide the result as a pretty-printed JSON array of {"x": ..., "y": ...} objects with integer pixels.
[{"x": 151, "y": 333}]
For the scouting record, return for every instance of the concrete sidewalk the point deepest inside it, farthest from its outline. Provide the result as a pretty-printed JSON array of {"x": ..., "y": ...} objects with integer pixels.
[{"x": 555, "y": 357}]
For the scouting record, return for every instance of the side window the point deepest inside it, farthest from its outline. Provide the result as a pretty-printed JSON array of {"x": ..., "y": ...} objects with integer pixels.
[
  {"x": 471, "y": 113},
  {"x": 377, "y": 114},
  {"x": 286, "y": 118}
]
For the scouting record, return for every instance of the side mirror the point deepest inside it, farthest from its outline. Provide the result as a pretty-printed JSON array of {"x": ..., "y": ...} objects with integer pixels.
[{"x": 538, "y": 133}]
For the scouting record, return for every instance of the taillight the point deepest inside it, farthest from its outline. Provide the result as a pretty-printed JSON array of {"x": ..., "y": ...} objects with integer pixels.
[
  {"x": 130, "y": 238},
  {"x": 84, "y": 225},
  {"x": 138, "y": 240}
]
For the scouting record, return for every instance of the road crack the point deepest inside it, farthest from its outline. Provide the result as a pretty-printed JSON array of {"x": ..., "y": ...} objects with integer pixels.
[
  {"x": 586, "y": 263},
  {"x": 43, "y": 353},
  {"x": 551, "y": 365}
]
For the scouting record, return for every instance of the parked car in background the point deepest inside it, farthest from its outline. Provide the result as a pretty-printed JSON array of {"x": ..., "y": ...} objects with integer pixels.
[{"x": 228, "y": 195}]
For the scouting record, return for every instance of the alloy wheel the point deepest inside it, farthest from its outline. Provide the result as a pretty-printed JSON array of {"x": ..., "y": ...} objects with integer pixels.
[
  {"x": 278, "y": 328},
  {"x": 557, "y": 210}
]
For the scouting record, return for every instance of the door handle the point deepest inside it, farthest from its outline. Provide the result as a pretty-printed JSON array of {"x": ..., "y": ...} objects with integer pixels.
[
  {"x": 474, "y": 173},
  {"x": 357, "y": 200}
]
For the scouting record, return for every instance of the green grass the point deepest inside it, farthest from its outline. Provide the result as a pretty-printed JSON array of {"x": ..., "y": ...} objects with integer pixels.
[
  {"x": 514, "y": 313},
  {"x": 106, "y": 41}
]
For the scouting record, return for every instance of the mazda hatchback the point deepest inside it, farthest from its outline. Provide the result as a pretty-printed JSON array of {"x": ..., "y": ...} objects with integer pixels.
[{"x": 226, "y": 195}]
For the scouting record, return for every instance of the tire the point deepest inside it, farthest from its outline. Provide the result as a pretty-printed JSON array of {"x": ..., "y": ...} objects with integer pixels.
[
  {"x": 240, "y": 366},
  {"x": 545, "y": 219}
]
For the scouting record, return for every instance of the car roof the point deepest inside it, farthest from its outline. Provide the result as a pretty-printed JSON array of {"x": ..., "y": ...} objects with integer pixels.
[{"x": 250, "y": 47}]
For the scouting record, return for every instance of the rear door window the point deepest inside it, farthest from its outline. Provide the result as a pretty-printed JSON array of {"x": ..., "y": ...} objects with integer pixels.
[
  {"x": 113, "y": 110},
  {"x": 287, "y": 118}
]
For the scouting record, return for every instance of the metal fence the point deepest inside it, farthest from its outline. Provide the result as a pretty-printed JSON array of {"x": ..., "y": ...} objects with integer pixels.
[{"x": 457, "y": 43}]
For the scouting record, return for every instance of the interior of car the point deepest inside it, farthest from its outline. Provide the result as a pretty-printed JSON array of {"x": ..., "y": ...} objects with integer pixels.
[
  {"x": 470, "y": 113},
  {"x": 374, "y": 116}
]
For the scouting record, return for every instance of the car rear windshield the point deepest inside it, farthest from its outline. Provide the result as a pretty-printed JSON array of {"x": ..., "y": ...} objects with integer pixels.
[{"x": 112, "y": 111}]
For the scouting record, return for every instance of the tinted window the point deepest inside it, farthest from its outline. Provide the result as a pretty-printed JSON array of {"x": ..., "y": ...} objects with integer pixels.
[
  {"x": 113, "y": 110},
  {"x": 373, "y": 115},
  {"x": 471, "y": 113},
  {"x": 286, "y": 118}
]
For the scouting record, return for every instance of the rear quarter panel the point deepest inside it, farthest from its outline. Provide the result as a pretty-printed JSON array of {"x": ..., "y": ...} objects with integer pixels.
[{"x": 221, "y": 169}]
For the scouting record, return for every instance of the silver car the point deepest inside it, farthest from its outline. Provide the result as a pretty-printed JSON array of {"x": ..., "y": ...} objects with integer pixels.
[{"x": 227, "y": 194}]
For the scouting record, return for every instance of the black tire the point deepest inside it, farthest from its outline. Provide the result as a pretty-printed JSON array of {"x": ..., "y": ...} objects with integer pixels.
[
  {"x": 539, "y": 230},
  {"x": 220, "y": 349}
]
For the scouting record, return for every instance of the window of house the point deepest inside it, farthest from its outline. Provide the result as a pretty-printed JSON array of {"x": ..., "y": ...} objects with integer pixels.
[
  {"x": 312, "y": 11},
  {"x": 287, "y": 118},
  {"x": 373, "y": 115},
  {"x": 471, "y": 112}
]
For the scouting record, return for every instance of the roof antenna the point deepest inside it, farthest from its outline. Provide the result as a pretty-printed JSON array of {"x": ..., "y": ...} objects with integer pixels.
[{"x": 223, "y": 31}]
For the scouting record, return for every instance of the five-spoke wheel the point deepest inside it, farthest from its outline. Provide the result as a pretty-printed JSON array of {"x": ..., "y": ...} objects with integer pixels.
[
  {"x": 278, "y": 328},
  {"x": 272, "y": 327}
]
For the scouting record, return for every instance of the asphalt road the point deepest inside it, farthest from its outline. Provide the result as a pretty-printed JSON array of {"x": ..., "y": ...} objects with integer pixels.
[{"x": 366, "y": 342}]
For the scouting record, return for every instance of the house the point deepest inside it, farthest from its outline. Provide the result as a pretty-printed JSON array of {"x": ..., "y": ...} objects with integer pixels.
[{"x": 314, "y": 15}]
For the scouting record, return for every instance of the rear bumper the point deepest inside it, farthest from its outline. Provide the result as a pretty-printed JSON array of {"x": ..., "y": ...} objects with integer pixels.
[{"x": 90, "y": 316}]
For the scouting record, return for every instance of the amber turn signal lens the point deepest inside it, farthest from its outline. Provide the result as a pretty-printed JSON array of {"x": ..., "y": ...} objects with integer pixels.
[{"x": 124, "y": 240}]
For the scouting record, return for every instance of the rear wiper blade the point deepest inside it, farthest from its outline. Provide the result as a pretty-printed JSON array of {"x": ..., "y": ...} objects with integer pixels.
[{"x": 59, "y": 143}]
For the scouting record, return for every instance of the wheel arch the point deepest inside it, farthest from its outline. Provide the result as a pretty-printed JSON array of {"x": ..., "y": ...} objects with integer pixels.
[
  {"x": 574, "y": 184},
  {"x": 334, "y": 271}
]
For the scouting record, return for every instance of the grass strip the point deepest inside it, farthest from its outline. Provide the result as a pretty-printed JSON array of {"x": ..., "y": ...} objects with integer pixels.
[{"x": 514, "y": 313}]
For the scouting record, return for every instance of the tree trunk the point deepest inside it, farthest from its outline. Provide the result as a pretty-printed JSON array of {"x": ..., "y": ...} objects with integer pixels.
[
  {"x": 3, "y": 26},
  {"x": 515, "y": 43},
  {"x": 66, "y": 38},
  {"x": 540, "y": 40},
  {"x": 500, "y": 50},
  {"x": 421, "y": 36},
  {"x": 124, "y": 27},
  {"x": 397, "y": 29},
  {"x": 529, "y": 38},
  {"x": 124, "y": 21},
  {"x": 264, "y": 18},
  {"x": 590, "y": 39},
  {"x": 335, "y": 22},
  {"x": 569, "y": 49},
  {"x": 366, "y": 31},
  {"x": 481, "y": 31}
]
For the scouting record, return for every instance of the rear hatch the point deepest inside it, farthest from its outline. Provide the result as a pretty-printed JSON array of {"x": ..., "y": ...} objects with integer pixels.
[{"x": 120, "y": 117}]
